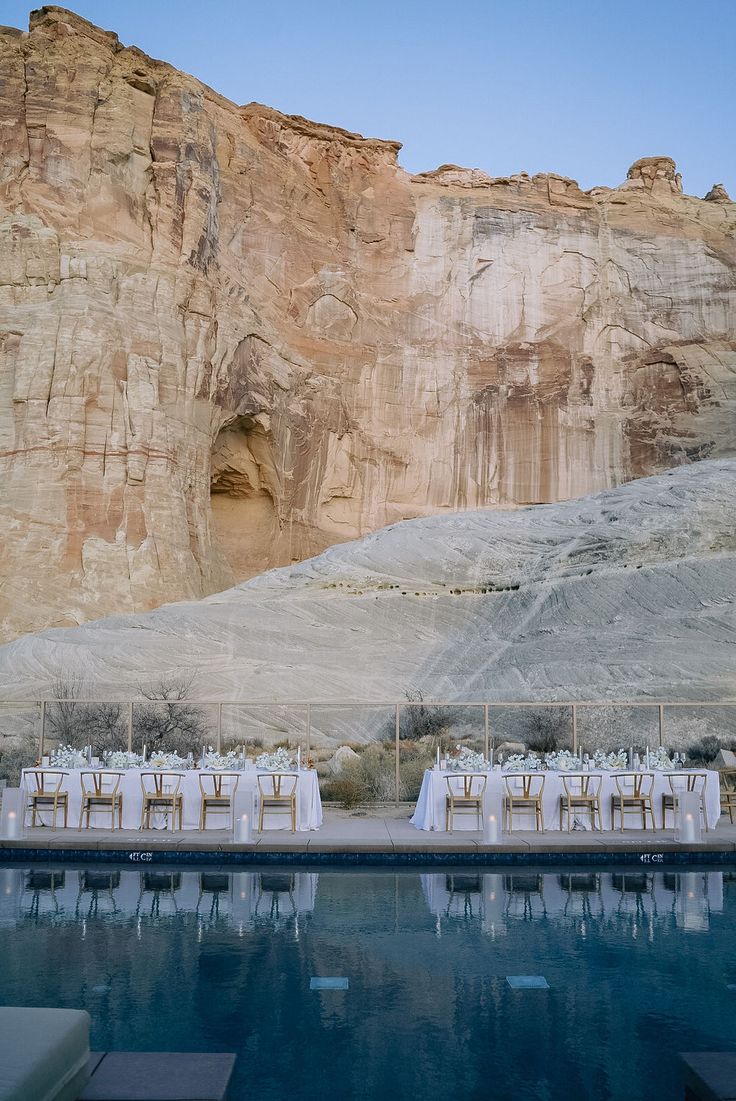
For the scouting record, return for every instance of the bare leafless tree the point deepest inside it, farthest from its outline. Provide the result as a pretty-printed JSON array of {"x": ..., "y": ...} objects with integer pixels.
[{"x": 170, "y": 721}]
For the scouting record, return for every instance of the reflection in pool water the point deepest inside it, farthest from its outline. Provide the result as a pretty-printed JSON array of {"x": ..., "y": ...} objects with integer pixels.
[{"x": 639, "y": 965}]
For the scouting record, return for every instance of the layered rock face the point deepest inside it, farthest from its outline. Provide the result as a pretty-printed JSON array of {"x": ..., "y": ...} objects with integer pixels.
[
  {"x": 625, "y": 595},
  {"x": 230, "y": 338}
]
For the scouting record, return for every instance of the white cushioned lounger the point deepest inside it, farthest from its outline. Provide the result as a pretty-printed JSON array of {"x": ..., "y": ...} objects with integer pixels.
[{"x": 44, "y": 1054}]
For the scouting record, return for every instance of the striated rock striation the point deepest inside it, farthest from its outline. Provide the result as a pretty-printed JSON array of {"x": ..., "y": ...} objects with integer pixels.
[
  {"x": 231, "y": 338},
  {"x": 624, "y": 595}
]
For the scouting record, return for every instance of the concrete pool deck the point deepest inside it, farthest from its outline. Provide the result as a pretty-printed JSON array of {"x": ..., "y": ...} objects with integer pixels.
[{"x": 383, "y": 832}]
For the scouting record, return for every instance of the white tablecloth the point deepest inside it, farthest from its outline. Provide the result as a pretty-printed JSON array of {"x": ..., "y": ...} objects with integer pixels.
[
  {"x": 430, "y": 809},
  {"x": 308, "y": 803}
]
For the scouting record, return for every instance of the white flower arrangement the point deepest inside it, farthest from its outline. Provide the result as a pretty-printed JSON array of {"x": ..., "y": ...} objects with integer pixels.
[
  {"x": 278, "y": 761},
  {"x": 659, "y": 760},
  {"x": 610, "y": 762},
  {"x": 216, "y": 761},
  {"x": 161, "y": 759},
  {"x": 467, "y": 760},
  {"x": 122, "y": 759},
  {"x": 518, "y": 762},
  {"x": 65, "y": 756},
  {"x": 564, "y": 760}
]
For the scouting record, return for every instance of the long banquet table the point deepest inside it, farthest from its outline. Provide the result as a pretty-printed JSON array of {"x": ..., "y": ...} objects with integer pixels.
[
  {"x": 430, "y": 809},
  {"x": 308, "y": 802}
]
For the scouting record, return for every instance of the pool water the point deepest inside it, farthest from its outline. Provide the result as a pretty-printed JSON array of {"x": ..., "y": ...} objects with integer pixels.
[{"x": 613, "y": 974}]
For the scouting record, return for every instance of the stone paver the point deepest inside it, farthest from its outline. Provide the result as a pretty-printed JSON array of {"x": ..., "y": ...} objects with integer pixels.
[{"x": 385, "y": 830}]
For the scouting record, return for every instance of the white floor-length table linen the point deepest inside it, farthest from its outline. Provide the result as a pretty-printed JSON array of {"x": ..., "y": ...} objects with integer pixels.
[
  {"x": 430, "y": 808},
  {"x": 308, "y": 802}
]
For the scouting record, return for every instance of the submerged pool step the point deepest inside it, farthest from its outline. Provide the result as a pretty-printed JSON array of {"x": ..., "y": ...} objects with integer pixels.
[
  {"x": 328, "y": 983},
  {"x": 158, "y": 1076},
  {"x": 527, "y": 982}
]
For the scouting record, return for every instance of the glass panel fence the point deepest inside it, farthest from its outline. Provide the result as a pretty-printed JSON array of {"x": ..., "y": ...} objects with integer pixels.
[
  {"x": 254, "y": 729},
  {"x": 523, "y": 730},
  {"x": 174, "y": 726},
  {"x": 706, "y": 735},
  {"x": 612, "y": 728},
  {"x": 20, "y": 739},
  {"x": 354, "y": 750}
]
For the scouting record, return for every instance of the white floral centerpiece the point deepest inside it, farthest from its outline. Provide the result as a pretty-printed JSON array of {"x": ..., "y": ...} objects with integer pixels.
[
  {"x": 122, "y": 759},
  {"x": 467, "y": 760},
  {"x": 217, "y": 761},
  {"x": 610, "y": 762},
  {"x": 161, "y": 759},
  {"x": 278, "y": 761},
  {"x": 564, "y": 760},
  {"x": 659, "y": 760},
  {"x": 518, "y": 762},
  {"x": 65, "y": 756}
]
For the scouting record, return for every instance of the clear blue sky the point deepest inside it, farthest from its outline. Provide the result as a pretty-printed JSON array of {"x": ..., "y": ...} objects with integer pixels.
[{"x": 579, "y": 87}]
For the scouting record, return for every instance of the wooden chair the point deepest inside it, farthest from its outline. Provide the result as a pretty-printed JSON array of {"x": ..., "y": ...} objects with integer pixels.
[
  {"x": 100, "y": 792},
  {"x": 728, "y": 791},
  {"x": 582, "y": 791},
  {"x": 681, "y": 782},
  {"x": 161, "y": 795},
  {"x": 524, "y": 791},
  {"x": 217, "y": 793},
  {"x": 465, "y": 792},
  {"x": 634, "y": 794},
  {"x": 48, "y": 794},
  {"x": 277, "y": 792}
]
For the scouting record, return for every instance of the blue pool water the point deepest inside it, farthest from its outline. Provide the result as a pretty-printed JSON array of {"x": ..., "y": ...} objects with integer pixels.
[{"x": 636, "y": 967}]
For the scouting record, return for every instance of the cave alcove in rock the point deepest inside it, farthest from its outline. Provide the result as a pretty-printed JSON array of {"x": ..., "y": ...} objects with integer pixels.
[{"x": 243, "y": 494}]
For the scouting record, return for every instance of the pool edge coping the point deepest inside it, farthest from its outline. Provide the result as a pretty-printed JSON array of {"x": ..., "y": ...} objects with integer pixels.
[{"x": 20, "y": 854}]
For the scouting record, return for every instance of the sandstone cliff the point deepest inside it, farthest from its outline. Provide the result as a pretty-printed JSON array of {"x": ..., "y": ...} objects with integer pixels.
[
  {"x": 624, "y": 595},
  {"x": 230, "y": 338}
]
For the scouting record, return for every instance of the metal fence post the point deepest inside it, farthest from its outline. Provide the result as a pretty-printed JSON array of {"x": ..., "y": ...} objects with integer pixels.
[
  {"x": 397, "y": 776},
  {"x": 43, "y": 728},
  {"x": 130, "y": 727},
  {"x": 486, "y": 737},
  {"x": 309, "y": 729}
]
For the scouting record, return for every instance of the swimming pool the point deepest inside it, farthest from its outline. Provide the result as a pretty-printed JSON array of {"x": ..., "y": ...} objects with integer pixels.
[{"x": 612, "y": 974}]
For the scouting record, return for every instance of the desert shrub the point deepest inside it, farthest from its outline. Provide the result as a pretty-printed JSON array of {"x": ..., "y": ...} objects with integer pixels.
[
  {"x": 370, "y": 779},
  {"x": 412, "y": 774},
  {"x": 705, "y": 749}
]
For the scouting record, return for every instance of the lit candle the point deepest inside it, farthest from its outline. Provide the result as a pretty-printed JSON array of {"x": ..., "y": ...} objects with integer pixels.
[
  {"x": 242, "y": 829},
  {"x": 688, "y": 827},
  {"x": 144, "y": 752},
  {"x": 299, "y": 757},
  {"x": 438, "y": 757},
  {"x": 12, "y": 825},
  {"x": 490, "y": 829}
]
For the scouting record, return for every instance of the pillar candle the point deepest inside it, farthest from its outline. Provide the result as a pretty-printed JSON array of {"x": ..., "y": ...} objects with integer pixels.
[
  {"x": 243, "y": 833},
  {"x": 491, "y": 834}
]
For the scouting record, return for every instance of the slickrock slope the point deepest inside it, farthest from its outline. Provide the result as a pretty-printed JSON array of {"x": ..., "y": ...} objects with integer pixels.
[
  {"x": 230, "y": 338},
  {"x": 625, "y": 594}
]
